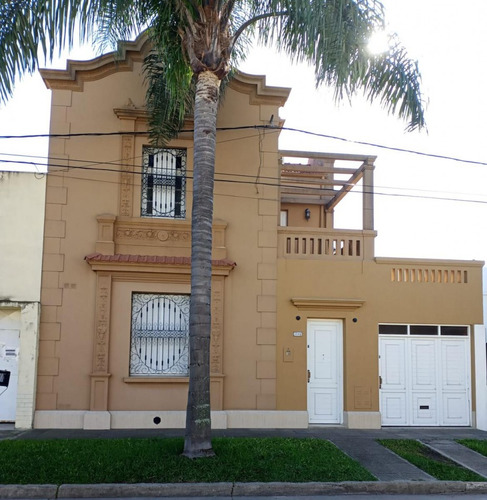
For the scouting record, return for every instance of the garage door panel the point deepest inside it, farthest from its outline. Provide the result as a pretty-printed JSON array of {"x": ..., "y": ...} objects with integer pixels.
[
  {"x": 423, "y": 357},
  {"x": 393, "y": 408},
  {"x": 393, "y": 357},
  {"x": 424, "y": 408},
  {"x": 455, "y": 409},
  {"x": 453, "y": 364}
]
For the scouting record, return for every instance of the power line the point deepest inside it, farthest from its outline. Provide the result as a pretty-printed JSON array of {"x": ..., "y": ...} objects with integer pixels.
[
  {"x": 124, "y": 163},
  {"x": 259, "y": 127},
  {"x": 273, "y": 183}
]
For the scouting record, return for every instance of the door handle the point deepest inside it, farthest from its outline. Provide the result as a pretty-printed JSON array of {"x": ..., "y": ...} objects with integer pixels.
[
  {"x": 309, "y": 376},
  {"x": 380, "y": 382}
]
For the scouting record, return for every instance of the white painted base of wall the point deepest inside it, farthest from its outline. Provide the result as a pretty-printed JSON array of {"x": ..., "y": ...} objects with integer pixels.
[
  {"x": 96, "y": 420},
  {"x": 362, "y": 419},
  {"x": 230, "y": 419}
]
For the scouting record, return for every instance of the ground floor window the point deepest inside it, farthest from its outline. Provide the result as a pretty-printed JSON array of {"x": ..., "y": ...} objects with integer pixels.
[{"x": 159, "y": 335}]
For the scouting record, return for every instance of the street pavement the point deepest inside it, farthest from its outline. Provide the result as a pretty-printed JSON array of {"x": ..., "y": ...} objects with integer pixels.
[{"x": 395, "y": 475}]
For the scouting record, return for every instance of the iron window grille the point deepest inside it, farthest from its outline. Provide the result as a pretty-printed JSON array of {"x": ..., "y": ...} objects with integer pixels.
[
  {"x": 160, "y": 335},
  {"x": 164, "y": 183}
]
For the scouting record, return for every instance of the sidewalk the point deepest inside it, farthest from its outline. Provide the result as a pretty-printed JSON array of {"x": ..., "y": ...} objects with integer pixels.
[{"x": 394, "y": 474}]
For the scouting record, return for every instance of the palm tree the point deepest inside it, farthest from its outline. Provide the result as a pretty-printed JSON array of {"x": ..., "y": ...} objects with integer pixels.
[{"x": 195, "y": 45}]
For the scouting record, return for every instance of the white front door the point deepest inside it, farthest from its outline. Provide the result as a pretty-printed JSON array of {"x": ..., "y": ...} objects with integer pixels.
[
  {"x": 424, "y": 381},
  {"x": 9, "y": 360},
  {"x": 325, "y": 367}
]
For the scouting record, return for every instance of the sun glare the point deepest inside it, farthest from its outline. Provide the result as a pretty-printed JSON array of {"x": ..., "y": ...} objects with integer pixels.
[{"x": 379, "y": 42}]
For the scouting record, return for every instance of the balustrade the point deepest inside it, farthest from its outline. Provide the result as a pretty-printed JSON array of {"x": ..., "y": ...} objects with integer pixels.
[{"x": 326, "y": 244}]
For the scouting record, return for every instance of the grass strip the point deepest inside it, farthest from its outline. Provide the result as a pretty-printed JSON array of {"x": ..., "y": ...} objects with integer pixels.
[
  {"x": 159, "y": 460},
  {"x": 428, "y": 460},
  {"x": 478, "y": 445}
]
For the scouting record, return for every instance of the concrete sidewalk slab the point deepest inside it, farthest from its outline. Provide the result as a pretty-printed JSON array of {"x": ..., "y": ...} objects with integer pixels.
[
  {"x": 379, "y": 461},
  {"x": 460, "y": 454}
]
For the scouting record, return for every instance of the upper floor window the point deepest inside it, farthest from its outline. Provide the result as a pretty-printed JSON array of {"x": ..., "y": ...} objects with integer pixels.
[
  {"x": 164, "y": 183},
  {"x": 283, "y": 218}
]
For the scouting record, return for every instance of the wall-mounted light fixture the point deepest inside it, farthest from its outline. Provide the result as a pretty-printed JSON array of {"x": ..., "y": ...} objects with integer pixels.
[{"x": 307, "y": 213}]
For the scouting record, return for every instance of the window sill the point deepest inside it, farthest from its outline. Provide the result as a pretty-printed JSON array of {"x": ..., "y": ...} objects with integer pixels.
[{"x": 156, "y": 380}]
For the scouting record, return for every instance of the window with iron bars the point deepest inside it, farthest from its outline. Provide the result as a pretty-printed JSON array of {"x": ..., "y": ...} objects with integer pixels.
[
  {"x": 159, "y": 343},
  {"x": 164, "y": 183}
]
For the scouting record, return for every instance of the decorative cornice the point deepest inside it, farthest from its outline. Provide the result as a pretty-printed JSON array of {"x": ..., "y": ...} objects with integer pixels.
[
  {"x": 320, "y": 304},
  {"x": 152, "y": 263},
  {"x": 78, "y": 72},
  {"x": 257, "y": 89}
]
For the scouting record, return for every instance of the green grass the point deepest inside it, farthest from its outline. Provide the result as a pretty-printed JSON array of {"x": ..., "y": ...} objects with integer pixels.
[
  {"x": 478, "y": 445},
  {"x": 159, "y": 460},
  {"x": 431, "y": 462}
]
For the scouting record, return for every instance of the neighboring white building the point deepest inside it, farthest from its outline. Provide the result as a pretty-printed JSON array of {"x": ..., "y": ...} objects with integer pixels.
[
  {"x": 480, "y": 364},
  {"x": 22, "y": 202}
]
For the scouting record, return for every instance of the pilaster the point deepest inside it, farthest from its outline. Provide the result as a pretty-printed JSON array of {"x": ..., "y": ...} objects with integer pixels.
[{"x": 100, "y": 375}]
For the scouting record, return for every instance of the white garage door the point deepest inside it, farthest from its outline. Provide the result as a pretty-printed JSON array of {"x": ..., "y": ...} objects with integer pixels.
[{"x": 424, "y": 380}]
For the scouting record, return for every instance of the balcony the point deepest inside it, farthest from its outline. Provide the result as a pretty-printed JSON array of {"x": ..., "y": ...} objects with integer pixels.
[
  {"x": 325, "y": 244},
  {"x": 312, "y": 186}
]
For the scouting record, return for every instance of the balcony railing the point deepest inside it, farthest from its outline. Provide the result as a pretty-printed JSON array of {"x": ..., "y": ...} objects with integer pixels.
[{"x": 318, "y": 243}]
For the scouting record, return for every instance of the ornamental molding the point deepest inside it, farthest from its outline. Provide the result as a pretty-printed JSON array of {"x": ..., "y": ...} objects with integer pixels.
[
  {"x": 126, "y": 176},
  {"x": 216, "y": 349},
  {"x": 102, "y": 326},
  {"x": 139, "y": 234},
  {"x": 321, "y": 304}
]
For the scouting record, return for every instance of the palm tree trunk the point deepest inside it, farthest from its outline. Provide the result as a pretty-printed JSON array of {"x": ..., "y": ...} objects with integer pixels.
[{"x": 198, "y": 417}]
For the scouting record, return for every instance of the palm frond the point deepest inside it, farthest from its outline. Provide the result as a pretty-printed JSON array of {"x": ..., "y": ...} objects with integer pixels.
[
  {"x": 31, "y": 30},
  {"x": 169, "y": 78},
  {"x": 22, "y": 36},
  {"x": 120, "y": 20},
  {"x": 394, "y": 79},
  {"x": 333, "y": 35}
]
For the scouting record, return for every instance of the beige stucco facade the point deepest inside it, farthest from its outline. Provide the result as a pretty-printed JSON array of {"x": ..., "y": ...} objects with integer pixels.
[
  {"x": 21, "y": 226},
  {"x": 100, "y": 252}
]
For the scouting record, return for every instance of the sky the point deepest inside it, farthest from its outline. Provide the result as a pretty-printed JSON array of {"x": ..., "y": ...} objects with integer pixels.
[{"x": 425, "y": 207}]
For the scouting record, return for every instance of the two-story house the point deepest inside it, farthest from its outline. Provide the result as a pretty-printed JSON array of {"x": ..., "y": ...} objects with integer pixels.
[{"x": 308, "y": 326}]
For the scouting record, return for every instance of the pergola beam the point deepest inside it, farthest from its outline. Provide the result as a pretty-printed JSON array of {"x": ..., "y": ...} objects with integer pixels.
[{"x": 347, "y": 188}]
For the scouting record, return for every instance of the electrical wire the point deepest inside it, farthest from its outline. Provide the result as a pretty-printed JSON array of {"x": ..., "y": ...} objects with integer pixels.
[
  {"x": 276, "y": 185},
  {"x": 259, "y": 127},
  {"x": 353, "y": 191},
  {"x": 123, "y": 163}
]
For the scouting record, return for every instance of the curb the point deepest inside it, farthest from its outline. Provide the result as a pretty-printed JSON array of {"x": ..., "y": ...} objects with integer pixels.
[{"x": 38, "y": 491}]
